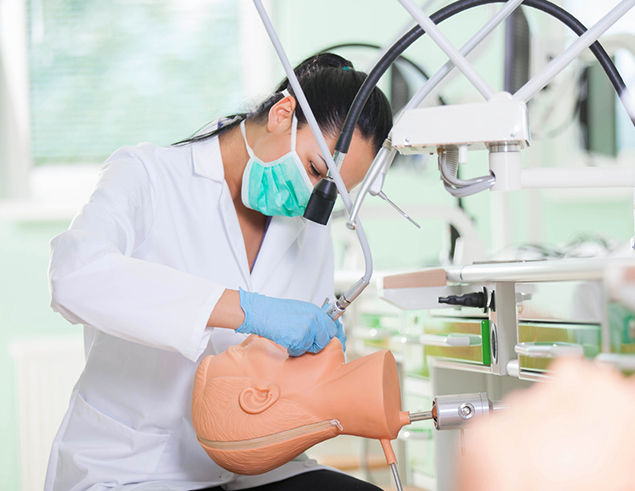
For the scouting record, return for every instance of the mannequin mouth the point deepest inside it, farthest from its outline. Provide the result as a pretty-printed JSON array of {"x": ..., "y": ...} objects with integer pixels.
[{"x": 282, "y": 436}]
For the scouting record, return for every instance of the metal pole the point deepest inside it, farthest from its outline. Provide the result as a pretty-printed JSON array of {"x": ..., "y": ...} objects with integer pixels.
[
  {"x": 326, "y": 153},
  {"x": 587, "y": 269},
  {"x": 304, "y": 103},
  {"x": 467, "y": 48},
  {"x": 395, "y": 475},
  {"x": 537, "y": 83},
  {"x": 405, "y": 29},
  {"x": 585, "y": 177},
  {"x": 455, "y": 56}
]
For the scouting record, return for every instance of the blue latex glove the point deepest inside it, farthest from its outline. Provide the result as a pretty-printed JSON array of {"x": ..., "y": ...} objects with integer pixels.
[
  {"x": 296, "y": 325},
  {"x": 340, "y": 329}
]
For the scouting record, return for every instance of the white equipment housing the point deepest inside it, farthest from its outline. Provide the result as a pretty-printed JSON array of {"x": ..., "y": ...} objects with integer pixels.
[{"x": 497, "y": 121}]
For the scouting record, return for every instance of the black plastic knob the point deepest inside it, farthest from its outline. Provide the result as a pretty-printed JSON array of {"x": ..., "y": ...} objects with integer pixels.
[{"x": 476, "y": 299}]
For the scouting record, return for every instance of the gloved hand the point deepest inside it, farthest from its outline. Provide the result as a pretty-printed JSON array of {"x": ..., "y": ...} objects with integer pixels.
[
  {"x": 296, "y": 325},
  {"x": 340, "y": 329}
]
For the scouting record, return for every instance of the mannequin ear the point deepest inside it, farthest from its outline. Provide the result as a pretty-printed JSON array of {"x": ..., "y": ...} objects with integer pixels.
[
  {"x": 281, "y": 113},
  {"x": 254, "y": 400}
]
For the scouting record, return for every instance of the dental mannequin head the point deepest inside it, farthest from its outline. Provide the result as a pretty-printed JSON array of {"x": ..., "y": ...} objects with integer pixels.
[{"x": 255, "y": 408}]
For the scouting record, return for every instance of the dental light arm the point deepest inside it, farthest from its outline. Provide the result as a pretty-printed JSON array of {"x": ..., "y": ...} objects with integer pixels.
[
  {"x": 438, "y": 17},
  {"x": 443, "y": 14},
  {"x": 442, "y": 130},
  {"x": 375, "y": 177},
  {"x": 433, "y": 82},
  {"x": 467, "y": 48}
]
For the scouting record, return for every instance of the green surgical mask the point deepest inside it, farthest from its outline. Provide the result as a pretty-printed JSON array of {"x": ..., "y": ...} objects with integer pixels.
[{"x": 278, "y": 188}]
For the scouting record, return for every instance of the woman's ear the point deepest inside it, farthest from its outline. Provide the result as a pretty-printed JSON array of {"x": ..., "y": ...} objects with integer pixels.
[
  {"x": 254, "y": 400},
  {"x": 281, "y": 114}
]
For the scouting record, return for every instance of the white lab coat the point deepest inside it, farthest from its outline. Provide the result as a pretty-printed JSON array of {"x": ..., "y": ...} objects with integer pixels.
[{"x": 142, "y": 267}]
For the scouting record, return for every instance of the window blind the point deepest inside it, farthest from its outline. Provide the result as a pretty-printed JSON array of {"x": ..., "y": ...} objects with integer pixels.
[{"x": 107, "y": 74}]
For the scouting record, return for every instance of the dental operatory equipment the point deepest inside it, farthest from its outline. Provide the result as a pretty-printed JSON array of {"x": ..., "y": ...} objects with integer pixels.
[
  {"x": 547, "y": 7},
  {"x": 452, "y": 131},
  {"x": 325, "y": 192}
]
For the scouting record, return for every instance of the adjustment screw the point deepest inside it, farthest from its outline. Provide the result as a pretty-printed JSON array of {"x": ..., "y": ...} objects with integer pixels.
[{"x": 466, "y": 410}]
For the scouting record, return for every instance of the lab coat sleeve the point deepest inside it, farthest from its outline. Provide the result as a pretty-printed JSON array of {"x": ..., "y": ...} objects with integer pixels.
[{"x": 95, "y": 282}]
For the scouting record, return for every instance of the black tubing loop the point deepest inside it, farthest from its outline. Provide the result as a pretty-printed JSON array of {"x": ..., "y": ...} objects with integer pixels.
[{"x": 346, "y": 135}]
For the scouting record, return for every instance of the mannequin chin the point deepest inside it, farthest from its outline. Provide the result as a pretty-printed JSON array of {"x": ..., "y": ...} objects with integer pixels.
[{"x": 255, "y": 408}]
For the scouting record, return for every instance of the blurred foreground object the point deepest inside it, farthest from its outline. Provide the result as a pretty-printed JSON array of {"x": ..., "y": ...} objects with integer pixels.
[{"x": 570, "y": 433}]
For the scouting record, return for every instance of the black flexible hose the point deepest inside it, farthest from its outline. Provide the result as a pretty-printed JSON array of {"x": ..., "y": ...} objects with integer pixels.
[{"x": 346, "y": 135}]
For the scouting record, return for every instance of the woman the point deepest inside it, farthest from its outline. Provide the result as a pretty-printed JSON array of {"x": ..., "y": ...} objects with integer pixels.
[{"x": 179, "y": 253}]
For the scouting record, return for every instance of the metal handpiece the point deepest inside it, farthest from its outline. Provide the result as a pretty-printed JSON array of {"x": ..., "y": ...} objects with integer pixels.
[
  {"x": 383, "y": 196},
  {"x": 453, "y": 411},
  {"x": 421, "y": 416},
  {"x": 337, "y": 308}
]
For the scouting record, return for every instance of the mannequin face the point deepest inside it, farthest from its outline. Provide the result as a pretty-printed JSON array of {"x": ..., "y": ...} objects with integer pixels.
[{"x": 264, "y": 361}]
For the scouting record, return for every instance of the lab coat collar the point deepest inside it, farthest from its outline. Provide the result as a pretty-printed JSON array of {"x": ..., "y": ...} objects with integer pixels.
[{"x": 207, "y": 159}]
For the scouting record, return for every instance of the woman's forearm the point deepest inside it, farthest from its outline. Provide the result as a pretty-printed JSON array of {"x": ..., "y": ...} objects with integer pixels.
[{"x": 227, "y": 312}]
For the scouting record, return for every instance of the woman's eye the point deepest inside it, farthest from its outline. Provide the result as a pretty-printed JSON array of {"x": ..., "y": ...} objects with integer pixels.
[{"x": 313, "y": 170}]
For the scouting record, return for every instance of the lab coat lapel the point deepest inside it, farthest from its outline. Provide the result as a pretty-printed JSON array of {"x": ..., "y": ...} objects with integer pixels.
[
  {"x": 282, "y": 233},
  {"x": 280, "y": 236},
  {"x": 234, "y": 234},
  {"x": 208, "y": 163}
]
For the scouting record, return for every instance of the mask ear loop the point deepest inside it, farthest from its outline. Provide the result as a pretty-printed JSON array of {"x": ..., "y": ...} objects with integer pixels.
[
  {"x": 294, "y": 131},
  {"x": 294, "y": 123},
  {"x": 242, "y": 130}
]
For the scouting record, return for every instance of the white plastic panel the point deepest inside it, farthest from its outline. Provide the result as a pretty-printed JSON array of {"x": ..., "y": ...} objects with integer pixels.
[{"x": 423, "y": 130}]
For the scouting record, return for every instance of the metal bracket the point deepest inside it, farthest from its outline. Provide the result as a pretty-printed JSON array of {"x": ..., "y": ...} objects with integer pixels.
[{"x": 504, "y": 327}]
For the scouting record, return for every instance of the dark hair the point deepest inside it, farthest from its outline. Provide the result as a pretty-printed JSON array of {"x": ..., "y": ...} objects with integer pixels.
[{"x": 330, "y": 84}]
